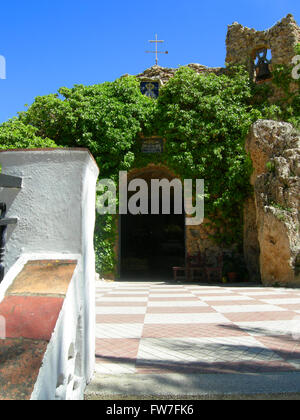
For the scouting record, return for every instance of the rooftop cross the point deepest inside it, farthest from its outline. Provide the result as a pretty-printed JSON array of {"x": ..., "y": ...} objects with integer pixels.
[{"x": 156, "y": 52}]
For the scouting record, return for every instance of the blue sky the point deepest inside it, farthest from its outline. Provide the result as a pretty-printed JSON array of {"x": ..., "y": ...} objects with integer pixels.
[{"x": 52, "y": 43}]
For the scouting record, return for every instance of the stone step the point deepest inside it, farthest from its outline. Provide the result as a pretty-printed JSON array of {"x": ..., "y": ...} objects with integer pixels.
[{"x": 176, "y": 386}]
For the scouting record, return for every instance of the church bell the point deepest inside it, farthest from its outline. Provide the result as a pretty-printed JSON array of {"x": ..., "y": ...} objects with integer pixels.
[{"x": 262, "y": 68}]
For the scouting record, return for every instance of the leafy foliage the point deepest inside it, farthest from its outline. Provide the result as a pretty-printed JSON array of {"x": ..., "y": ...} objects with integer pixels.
[
  {"x": 284, "y": 91},
  {"x": 104, "y": 118},
  {"x": 203, "y": 117},
  {"x": 104, "y": 240},
  {"x": 14, "y": 134}
]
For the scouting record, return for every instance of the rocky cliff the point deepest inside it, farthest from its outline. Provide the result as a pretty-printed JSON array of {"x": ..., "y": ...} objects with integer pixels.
[{"x": 272, "y": 239}]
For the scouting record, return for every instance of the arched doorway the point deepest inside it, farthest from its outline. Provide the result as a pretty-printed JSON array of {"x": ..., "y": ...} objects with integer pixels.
[{"x": 151, "y": 244}]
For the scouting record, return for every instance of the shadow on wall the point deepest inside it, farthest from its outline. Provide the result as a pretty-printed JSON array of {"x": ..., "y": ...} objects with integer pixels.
[{"x": 8, "y": 196}]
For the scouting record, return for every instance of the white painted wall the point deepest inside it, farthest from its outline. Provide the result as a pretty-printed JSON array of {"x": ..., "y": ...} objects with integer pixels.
[
  {"x": 56, "y": 212},
  {"x": 51, "y": 203},
  {"x": 63, "y": 375}
]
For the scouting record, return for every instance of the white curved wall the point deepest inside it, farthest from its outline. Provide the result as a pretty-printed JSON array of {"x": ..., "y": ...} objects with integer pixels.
[
  {"x": 56, "y": 216},
  {"x": 52, "y": 201}
]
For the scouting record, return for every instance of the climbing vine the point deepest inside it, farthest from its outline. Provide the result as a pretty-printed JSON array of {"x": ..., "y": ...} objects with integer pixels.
[
  {"x": 204, "y": 119},
  {"x": 14, "y": 134},
  {"x": 284, "y": 95}
]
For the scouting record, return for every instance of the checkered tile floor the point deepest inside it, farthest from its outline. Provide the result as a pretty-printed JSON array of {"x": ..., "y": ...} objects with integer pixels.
[{"x": 161, "y": 328}]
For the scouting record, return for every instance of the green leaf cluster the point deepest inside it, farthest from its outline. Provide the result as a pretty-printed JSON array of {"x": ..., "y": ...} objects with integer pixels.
[
  {"x": 204, "y": 119},
  {"x": 104, "y": 118},
  {"x": 14, "y": 134}
]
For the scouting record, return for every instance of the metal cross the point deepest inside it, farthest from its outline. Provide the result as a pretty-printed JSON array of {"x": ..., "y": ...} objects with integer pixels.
[{"x": 156, "y": 52}]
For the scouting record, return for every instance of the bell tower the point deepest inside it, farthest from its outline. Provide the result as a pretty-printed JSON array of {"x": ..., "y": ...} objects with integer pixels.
[{"x": 259, "y": 50}]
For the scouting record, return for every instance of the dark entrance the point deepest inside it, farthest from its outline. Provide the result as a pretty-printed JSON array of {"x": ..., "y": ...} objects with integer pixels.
[{"x": 151, "y": 245}]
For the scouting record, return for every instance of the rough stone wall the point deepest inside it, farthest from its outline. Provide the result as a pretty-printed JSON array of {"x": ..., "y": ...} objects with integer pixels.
[
  {"x": 274, "y": 148},
  {"x": 164, "y": 74},
  {"x": 251, "y": 244},
  {"x": 198, "y": 239},
  {"x": 242, "y": 42}
]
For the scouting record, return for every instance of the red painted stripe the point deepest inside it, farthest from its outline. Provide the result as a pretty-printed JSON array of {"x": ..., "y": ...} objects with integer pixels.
[{"x": 30, "y": 316}]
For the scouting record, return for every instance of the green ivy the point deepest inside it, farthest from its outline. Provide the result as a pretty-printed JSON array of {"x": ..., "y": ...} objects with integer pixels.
[
  {"x": 14, "y": 134},
  {"x": 104, "y": 241},
  {"x": 203, "y": 117},
  {"x": 287, "y": 106}
]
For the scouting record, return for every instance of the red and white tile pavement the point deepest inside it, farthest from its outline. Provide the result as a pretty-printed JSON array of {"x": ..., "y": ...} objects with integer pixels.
[{"x": 163, "y": 328}]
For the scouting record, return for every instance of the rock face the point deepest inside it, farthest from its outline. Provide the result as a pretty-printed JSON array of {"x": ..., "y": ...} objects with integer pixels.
[
  {"x": 272, "y": 217},
  {"x": 164, "y": 74},
  {"x": 251, "y": 244}
]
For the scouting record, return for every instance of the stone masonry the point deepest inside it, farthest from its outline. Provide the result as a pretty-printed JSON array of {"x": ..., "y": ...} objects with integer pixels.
[
  {"x": 164, "y": 74},
  {"x": 242, "y": 43}
]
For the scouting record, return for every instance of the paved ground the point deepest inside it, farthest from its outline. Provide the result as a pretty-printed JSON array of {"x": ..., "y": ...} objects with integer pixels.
[{"x": 160, "y": 330}]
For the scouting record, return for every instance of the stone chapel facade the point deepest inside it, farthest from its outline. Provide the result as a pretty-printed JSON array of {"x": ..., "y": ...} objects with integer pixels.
[{"x": 258, "y": 51}]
